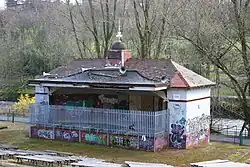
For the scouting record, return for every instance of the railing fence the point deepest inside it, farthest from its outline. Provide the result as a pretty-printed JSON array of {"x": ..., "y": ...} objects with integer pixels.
[
  {"x": 121, "y": 128},
  {"x": 7, "y": 114},
  {"x": 107, "y": 120}
]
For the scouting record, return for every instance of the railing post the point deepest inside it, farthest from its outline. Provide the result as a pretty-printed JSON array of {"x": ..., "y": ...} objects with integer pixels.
[
  {"x": 13, "y": 116},
  {"x": 227, "y": 130},
  {"x": 79, "y": 127},
  {"x": 234, "y": 138},
  {"x": 154, "y": 131}
]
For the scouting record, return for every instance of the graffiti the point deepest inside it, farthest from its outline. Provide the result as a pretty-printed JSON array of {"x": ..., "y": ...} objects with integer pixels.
[
  {"x": 160, "y": 142},
  {"x": 198, "y": 123},
  {"x": 46, "y": 134},
  {"x": 147, "y": 145},
  {"x": 104, "y": 99},
  {"x": 124, "y": 141},
  {"x": 70, "y": 135},
  {"x": 197, "y": 139},
  {"x": 177, "y": 137},
  {"x": 198, "y": 131},
  {"x": 92, "y": 138}
]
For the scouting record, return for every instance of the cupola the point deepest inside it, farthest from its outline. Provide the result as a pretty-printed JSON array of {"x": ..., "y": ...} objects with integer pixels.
[{"x": 117, "y": 55}]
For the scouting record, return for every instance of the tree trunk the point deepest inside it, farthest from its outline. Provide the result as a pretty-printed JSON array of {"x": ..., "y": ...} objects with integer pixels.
[
  {"x": 248, "y": 93},
  {"x": 74, "y": 30},
  {"x": 248, "y": 131},
  {"x": 217, "y": 94},
  {"x": 208, "y": 70},
  {"x": 241, "y": 133}
]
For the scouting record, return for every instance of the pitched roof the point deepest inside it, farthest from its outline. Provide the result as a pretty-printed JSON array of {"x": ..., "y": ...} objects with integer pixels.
[
  {"x": 190, "y": 78},
  {"x": 152, "y": 69}
]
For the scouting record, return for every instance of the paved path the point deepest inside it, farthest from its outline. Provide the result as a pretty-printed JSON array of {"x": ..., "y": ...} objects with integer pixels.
[{"x": 224, "y": 138}]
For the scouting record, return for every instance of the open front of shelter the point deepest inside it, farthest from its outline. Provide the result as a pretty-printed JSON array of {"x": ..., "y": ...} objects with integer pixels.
[{"x": 122, "y": 102}]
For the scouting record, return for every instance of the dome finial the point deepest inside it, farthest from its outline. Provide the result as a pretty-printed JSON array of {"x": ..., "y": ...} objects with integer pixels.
[{"x": 119, "y": 34}]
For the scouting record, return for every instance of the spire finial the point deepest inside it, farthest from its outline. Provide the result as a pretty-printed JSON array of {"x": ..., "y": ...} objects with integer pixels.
[{"x": 119, "y": 34}]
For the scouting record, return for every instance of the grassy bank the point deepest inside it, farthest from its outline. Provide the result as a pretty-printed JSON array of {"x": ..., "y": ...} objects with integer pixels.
[{"x": 17, "y": 134}]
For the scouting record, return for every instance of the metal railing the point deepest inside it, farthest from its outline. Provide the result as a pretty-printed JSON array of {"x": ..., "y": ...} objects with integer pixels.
[
  {"x": 102, "y": 120},
  {"x": 229, "y": 134},
  {"x": 8, "y": 114}
]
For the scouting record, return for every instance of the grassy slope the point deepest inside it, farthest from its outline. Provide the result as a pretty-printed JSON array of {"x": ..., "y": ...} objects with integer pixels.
[{"x": 17, "y": 134}]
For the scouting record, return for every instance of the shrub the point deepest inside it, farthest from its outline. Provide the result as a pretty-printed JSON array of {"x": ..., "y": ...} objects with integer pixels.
[{"x": 22, "y": 106}]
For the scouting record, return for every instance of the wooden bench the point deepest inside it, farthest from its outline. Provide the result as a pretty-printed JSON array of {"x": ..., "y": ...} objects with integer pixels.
[
  {"x": 59, "y": 160},
  {"x": 8, "y": 147},
  {"x": 59, "y": 153},
  {"x": 33, "y": 152},
  {"x": 142, "y": 164},
  {"x": 3, "y": 155},
  {"x": 8, "y": 153},
  {"x": 217, "y": 161},
  {"x": 95, "y": 164},
  {"x": 35, "y": 160}
]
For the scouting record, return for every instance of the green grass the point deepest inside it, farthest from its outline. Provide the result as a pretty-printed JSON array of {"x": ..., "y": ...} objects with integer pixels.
[
  {"x": 224, "y": 91},
  {"x": 17, "y": 133}
]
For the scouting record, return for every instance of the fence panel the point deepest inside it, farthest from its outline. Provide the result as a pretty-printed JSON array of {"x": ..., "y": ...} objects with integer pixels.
[{"x": 107, "y": 120}]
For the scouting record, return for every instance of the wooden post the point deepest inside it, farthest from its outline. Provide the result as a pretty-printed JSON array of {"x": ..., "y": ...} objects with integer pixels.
[
  {"x": 13, "y": 116},
  {"x": 80, "y": 135}
]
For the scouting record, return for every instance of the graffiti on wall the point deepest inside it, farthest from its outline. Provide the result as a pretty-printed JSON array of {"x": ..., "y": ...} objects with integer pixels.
[
  {"x": 65, "y": 134},
  {"x": 146, "y": 144},
  {"x": 177, "y": 136},
  {"x": 94, "y": 138},
  {"x": 160, "y": 142},
  {"x": 198, "y": 131},
  {"x": 46, "y": 134},
  {"x": 198, "y": 123},
  {"x": 124, "y": 141},
  {"x": 104, "y": 99},
  {"x": 42, "y": 133}
]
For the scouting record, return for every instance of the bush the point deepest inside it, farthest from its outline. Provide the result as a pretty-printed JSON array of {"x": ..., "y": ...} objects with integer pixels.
[{"x": 22, "y": 106}]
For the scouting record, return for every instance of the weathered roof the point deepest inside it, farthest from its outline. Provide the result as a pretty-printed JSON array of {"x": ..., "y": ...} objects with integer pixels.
[
  {"x": 151, "y": 69},
  {"x": 190, "y": 78},
  {"x": 111, "y": 75}
]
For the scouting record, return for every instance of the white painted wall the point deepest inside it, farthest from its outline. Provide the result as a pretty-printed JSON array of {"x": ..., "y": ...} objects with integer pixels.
[
  {"x": 197, "y": 93},
  {"x": 197, "y": 108},
  {"x": 193, "y": 108},
  {"x": 173, "y": 93}
]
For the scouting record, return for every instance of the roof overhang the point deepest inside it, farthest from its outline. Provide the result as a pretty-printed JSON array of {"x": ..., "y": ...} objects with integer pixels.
[
  {"x": 195, "y": 87},
  {"x": 95, "y": 85}
]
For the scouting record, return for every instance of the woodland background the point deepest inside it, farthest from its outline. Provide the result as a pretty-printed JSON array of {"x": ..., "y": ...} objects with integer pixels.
[{"x": 211, "y": 38}]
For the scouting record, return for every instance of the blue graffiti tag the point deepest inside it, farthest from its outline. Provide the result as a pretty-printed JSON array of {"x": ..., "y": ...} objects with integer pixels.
[{"x": 177, "y": 138}]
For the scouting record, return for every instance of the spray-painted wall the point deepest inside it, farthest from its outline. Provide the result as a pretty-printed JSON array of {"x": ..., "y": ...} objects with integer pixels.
[
  {"x": 177, "y": 122},
  {"x": 177, "y": 118},
  {"x": 136, "y": 142},
  {"x": 189, "y": 112},
  {"x": 42, "y": 95},
  {"x": 198, "y": 117}
]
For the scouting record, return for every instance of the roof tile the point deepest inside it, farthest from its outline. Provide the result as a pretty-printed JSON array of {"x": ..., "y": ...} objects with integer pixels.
[{"x": 152, "y": 69}]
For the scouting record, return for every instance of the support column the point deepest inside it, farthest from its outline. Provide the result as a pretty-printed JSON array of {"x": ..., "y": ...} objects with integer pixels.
[{"x": 42, "y": 95}]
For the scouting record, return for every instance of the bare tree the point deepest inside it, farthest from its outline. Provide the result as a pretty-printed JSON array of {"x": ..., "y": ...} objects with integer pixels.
[
  {"x": 218, "y": 32},
  {"x": 108, "y": 22},
  {"x": 102, "y": 14},
  {"x": 74, "y": 28},
  {"x": 144, "y": 19}
]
